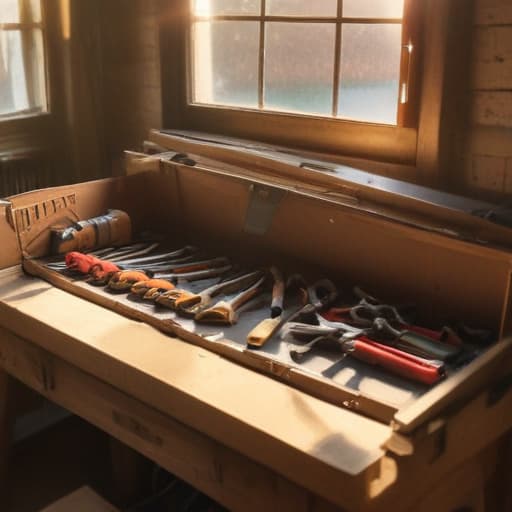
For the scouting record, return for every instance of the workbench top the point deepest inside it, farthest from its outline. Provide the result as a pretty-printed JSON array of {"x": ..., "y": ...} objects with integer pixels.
[{"x": 309, "y": 441}]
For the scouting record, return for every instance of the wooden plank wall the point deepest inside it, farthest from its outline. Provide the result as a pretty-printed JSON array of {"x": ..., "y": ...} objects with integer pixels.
[
  {"x": 104, "y": 71},
  {"x": 114, "y": 73},
  {"x": 487, "y": 155},
  {"x": 131, "y": 73}
]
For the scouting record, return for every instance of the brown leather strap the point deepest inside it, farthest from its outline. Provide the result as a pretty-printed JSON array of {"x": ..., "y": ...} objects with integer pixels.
[{"x": 102, "y": 227}]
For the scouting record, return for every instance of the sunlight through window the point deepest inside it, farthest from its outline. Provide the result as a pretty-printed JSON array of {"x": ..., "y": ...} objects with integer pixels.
[
  {"x": 326, "y": 58},
  {"x": 22, "y": 59}
]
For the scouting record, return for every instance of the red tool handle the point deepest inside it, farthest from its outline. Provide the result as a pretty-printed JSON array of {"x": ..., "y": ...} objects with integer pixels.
[
  {"x": 401, "y": 353},
  {"x": 396, "y": 362},
  {"x": 429, "y": 333}
]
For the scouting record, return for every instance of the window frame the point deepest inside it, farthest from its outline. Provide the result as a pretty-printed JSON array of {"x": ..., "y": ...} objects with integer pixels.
[
  {"x": 339, "y": 21},
  {"x": 25, "y": 27},
  {"x": 413, "y": 149},
  {"x": 19, "y": 132}
]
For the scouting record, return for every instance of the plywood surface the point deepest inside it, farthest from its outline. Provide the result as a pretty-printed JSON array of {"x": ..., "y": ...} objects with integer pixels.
[{"x": 301, "y": 437}]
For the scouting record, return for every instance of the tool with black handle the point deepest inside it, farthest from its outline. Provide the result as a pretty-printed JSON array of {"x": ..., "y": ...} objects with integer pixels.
[{"x": 413, "y": 342}]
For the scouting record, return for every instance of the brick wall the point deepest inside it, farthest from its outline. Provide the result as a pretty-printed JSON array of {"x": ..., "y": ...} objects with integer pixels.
[{"x": 487, "y": 158}]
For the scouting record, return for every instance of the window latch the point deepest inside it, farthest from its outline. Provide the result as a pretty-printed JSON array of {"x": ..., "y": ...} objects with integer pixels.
[{"x": 407, "y": 50}]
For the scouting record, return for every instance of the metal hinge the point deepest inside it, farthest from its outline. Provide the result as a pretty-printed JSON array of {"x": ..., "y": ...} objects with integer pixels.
[{"x": 263, "y": 203}]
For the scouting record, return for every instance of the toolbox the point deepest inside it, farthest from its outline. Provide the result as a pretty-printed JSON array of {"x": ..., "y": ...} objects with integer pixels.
[{"x": 266, "y": 207}]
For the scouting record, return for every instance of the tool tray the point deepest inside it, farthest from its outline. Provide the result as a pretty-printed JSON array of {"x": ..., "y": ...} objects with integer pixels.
[{"x": 257, "y": 219}]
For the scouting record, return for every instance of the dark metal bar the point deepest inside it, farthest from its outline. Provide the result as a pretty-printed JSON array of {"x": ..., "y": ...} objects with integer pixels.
[
  {"x": 261, "y": 58},
  {"x": 337, "y": 57}
]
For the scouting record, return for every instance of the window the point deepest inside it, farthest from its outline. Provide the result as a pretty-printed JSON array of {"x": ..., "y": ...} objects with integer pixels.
[
  {"x": 329, "y": 58},
  {"x": 339, "y": 77},
  {"x": 418, "y": 147},
  {"x": 22, "y": 58}
]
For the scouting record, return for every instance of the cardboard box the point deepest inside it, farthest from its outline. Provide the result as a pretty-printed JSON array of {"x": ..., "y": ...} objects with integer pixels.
[
  {"x": 81, "y": 500},
  {"x": 212, "y": 204}
]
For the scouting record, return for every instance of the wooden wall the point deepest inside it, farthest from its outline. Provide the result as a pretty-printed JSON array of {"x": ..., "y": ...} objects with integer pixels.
[
  {"x": 131, "y": 73},
  {"x": 105, "y": 93},
  {"x": 116, "y": 77},
  {"x": 486, "y": 158}
]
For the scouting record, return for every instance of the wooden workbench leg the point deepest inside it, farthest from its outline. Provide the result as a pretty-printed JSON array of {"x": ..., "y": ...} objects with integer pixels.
[
  {"x": 6, "y": 424},
  {"x": 507, "y": 473},
  {"x": 498, "y": 490},
  {"x": 128, "y": 468}
]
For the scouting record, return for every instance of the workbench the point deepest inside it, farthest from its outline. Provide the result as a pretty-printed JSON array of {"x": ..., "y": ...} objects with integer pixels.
[
  {"x": 250, "y": 430},
  {"x": 198, "y": 415}
]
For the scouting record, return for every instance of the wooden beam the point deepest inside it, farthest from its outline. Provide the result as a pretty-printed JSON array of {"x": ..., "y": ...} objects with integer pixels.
[
  {"x": 446, "y": 58},
  {"x": 127, "y": 471},
  {"x": 6, "y": 424}
]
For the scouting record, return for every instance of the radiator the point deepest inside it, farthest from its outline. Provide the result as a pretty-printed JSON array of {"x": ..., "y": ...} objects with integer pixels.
[{"x": 23, "y": 171}]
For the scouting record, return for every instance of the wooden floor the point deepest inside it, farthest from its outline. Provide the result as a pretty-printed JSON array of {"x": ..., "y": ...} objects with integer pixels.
[{"x": 57, "y": 461}]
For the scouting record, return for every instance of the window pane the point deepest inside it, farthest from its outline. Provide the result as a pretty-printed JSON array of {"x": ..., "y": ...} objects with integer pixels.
[
  {"x": 299, "y": 67},
  {"x": 301, "y": 8},
  {"x": 373, "y": 8},
  {"x": 370, "y": 72},
  {"x": 226, "y": 55},
  {"x": 33, "y": 10},
  {"x": 10, "y": 11},
  {"x": 22, "y": 75},
  {"x": 225, "y": 7}
]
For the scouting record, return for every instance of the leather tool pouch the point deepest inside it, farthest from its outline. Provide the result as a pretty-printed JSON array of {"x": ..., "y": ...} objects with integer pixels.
[{"x": 114, "y": 228}]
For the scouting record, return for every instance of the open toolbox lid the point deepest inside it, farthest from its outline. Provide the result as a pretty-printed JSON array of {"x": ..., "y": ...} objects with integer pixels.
[
  {"x": 451, "y": 270},
  {"x": 465, "y": 279},
  {"x": 420, "y": 206}
]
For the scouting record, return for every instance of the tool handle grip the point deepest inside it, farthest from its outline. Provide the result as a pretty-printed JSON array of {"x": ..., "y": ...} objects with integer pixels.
[
  {"x": 199, "y": 265},
  {"x": 276, "y": 308},
  {"x": 419, "y": 344},
  {"x": 113, "y": 228},
  {"x": 247, "y": 295},
  {"x": 434, "y": 335},
  {"x": 402, "y": 354},
  {"x": 391, "y": 361}
]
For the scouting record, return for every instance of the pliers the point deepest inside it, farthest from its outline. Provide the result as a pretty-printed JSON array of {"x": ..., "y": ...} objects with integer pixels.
[
  {"x": 395, "y": 361},
  {"x": 355, "y": 341}
]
